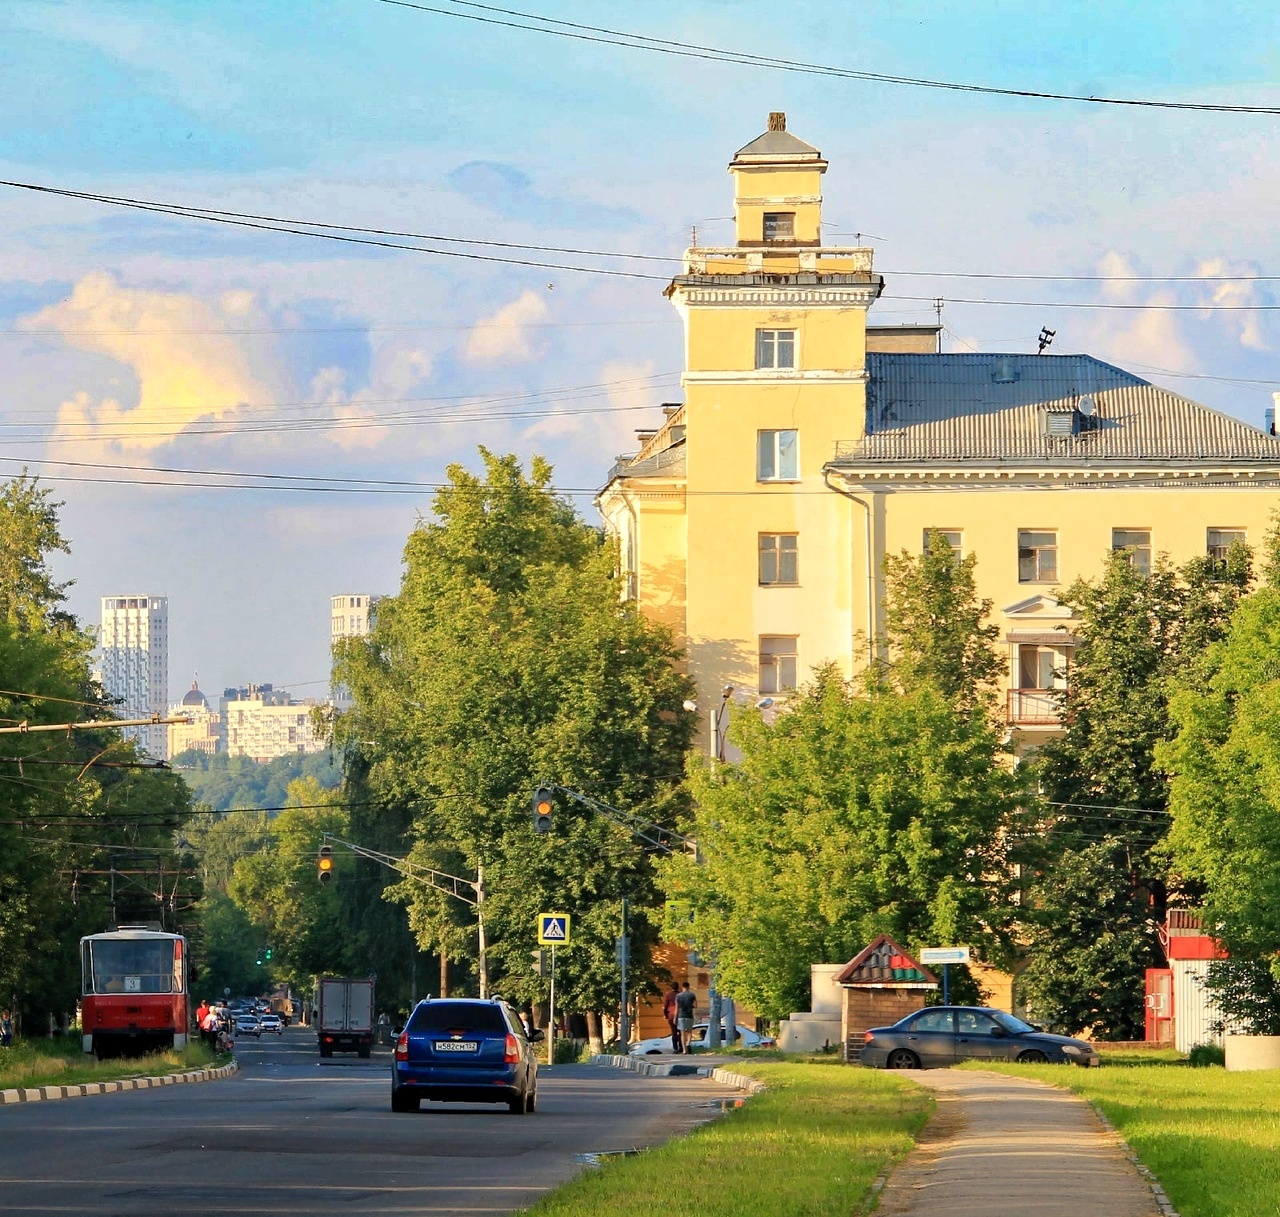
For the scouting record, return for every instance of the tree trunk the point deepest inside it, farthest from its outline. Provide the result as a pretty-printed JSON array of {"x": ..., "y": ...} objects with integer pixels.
[
  {"x": 444, "y": 974},
  {"x": 595, "y": 1041}
]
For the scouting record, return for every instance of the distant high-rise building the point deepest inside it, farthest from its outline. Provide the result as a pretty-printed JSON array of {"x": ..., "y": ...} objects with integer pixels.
[
  {"x": 350, "y": 616},
  {"x": 134, "y": 645},
  {"x": 262, "y": 722}
]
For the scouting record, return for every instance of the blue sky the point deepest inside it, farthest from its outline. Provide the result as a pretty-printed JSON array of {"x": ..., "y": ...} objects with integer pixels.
[{"x": 134, "y": 339}]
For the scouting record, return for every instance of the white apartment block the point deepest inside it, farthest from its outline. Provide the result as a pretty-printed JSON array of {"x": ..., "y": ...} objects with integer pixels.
[
  {"x": 134, "y": 646},
  {"x": 262, "y": 723},
  {"x": 350, "y": 616}
]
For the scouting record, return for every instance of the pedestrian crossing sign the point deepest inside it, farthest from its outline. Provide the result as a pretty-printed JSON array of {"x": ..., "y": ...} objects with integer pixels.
[{"x": 553, "y": 929}]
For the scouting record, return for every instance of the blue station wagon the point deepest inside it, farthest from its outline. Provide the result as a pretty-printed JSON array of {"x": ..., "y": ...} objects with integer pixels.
[{"x": 465, "y": 1050}]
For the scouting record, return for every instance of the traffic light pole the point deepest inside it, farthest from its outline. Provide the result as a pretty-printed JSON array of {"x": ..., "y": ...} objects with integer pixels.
[{"x": 442, "y": 881}]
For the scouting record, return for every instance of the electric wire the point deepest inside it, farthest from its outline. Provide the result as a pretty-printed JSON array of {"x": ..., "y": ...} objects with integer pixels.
[{"x": 692, "y": 50}]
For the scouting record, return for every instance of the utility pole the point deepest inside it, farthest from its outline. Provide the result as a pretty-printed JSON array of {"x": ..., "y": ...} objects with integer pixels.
[{"x": 624, "y": 958}]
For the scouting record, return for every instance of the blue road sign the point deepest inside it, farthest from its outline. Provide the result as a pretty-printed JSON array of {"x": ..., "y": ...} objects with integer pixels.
[{"x": 553, "y": 929}]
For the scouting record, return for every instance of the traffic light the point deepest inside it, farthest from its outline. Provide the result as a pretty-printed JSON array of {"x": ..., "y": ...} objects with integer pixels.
[
  {"x": 325, "y": 865},
  {"x": 267, "y": 954},
  {"x": 258, "y": 960},
  {"x": 542, "y": 809},
  {"x": 542, "y": 963}
]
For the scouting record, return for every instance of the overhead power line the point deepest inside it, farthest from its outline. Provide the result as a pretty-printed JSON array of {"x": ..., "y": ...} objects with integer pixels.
[{"x": 517, "y": 20}]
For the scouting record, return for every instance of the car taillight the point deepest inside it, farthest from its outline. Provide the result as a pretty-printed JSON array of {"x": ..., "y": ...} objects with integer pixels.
[
  {"x": 402, "y": 1047},
  {"x": 513, "y": 1051}
]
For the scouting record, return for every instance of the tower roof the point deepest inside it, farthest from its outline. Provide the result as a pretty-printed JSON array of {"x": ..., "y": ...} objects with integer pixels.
[
  {"x": 777, "y": 146},
  {"x": 193, "y": 696}
]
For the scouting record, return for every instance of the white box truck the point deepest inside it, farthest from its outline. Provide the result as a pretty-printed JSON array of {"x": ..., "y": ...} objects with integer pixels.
[{"x": 344, "y": 1021}]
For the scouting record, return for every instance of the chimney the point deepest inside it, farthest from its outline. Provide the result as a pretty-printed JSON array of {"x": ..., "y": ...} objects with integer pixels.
[
  {"x": 777, "y": 121},
  {"x": 1269, "y": 416}
]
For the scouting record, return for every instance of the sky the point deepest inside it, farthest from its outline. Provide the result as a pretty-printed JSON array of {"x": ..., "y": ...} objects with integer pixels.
[{"x": 250, "y": 422}]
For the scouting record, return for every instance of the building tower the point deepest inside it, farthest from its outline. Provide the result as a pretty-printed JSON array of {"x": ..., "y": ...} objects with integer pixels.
[
  {"x": 350, "y": 616},
  {"x": 134, "y": 645}
]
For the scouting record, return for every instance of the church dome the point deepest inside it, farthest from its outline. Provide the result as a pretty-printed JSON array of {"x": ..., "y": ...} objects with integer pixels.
[{"x": 193, "y": 697}]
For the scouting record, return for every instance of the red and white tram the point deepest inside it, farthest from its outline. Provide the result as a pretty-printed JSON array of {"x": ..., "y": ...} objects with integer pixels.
[{"x": 134, "y": 992}]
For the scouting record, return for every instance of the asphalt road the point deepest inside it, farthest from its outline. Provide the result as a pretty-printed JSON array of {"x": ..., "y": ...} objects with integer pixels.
[{"x": 293, "y": 1134}]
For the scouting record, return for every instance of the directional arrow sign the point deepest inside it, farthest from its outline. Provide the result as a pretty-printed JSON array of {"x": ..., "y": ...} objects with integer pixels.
[
  {"x": 944, "y": 955},
  {"x": 553, "y": 929}
]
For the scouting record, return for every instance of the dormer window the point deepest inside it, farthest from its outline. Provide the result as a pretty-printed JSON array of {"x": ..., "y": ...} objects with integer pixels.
[{"x": 779, "y": 225}]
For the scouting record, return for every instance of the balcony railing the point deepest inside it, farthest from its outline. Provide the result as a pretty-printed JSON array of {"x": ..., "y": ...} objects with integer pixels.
[{"x": 1035, "y": 707}]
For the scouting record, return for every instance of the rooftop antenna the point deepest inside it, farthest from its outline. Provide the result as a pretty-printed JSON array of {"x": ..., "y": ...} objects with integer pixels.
[
  {"x": 937, "y": 307},
  {"x": 693, "y": 236},
  {"x": 1046, "y": 338}
]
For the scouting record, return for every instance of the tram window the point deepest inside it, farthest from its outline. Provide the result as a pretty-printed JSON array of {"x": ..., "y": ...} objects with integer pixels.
[{"x": 130, "y": 966}]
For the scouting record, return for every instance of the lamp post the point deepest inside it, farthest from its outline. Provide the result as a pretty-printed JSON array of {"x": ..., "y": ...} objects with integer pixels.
[{"x": 719, "y": 723}]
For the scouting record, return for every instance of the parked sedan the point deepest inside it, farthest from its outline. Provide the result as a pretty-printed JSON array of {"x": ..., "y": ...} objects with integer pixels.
[
  {"x": 465, "y": 1050},
  {"x": 697, "y": 1039},
  {"x": 942, "y": 1035}
]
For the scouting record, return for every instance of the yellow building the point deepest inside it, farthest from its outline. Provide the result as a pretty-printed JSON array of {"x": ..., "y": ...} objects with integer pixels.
[{"x": 755, "y": 519}]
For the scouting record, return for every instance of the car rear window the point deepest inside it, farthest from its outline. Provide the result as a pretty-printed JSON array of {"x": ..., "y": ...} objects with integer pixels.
[{"x": 456, "y": 1016}]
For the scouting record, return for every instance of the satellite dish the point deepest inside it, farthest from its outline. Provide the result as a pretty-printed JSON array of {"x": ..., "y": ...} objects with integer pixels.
[{"x": 1087, "y": 406}]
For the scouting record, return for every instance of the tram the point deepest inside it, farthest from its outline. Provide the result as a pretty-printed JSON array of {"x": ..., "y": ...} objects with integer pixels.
[{"x": 133, "y": 992}]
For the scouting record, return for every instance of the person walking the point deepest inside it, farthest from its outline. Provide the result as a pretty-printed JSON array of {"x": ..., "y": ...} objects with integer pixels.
[
  {"x": 6, "y": 1028},
  {"x": 669, "y": 1013},
  {"x": 202, "y": 1012},
  {"x": 686, "y": 1005}
]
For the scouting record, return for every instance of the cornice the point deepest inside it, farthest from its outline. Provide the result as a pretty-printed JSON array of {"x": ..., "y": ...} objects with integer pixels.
[
  {"x": 839, "y": 296},
  {"x": 771, "y": 377},
  {"x": 1198, "y": 475}
]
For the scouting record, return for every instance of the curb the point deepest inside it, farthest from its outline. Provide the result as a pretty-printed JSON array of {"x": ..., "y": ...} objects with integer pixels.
[
  {"x": 1163, "y": 1203},
  {"x": 37, "y": 1094},
  {"x": 667, "y": 1069}
]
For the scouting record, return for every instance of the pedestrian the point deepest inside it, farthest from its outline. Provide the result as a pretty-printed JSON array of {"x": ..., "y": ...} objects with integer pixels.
[
  {"x": 686, "y": 1004},
  {"x": 669, "y": 1013},
  {"x": 6, "y": 1028},
  {"x": 202, "y": 1012}
]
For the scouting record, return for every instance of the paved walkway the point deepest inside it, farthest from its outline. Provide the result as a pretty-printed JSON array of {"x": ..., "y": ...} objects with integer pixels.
[{"x": 1008, "y": 1147}]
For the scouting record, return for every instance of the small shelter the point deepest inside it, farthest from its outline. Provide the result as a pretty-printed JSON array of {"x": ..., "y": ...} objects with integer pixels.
[{"x": 881, "y": 985}]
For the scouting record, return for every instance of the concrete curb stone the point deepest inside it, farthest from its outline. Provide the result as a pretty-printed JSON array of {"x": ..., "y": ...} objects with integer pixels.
[
  {"x": 666, "y": 1069},
  {"x": 38, "y": 1094},
  {"x": 1162, "y": 1200}
]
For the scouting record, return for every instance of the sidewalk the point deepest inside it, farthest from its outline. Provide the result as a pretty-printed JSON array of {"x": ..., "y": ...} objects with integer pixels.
[{"x": 1009, "y": 1147}]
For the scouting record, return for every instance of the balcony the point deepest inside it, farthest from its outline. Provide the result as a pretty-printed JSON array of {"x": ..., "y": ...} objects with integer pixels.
[{"x": 1035, "y": 708}]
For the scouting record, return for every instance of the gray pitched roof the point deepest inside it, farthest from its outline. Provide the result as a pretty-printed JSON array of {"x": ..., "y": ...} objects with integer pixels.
[
  {"x": 994, "y": 410},
  {"x": 778, "y": 143}
]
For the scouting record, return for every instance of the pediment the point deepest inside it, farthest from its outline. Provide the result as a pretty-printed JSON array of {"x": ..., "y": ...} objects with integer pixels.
[{"x": 1039, "y": 608}]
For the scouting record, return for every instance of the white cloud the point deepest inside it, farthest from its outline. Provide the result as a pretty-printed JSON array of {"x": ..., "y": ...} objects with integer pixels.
[
  {"x": 504, "y": 336},
  {"x": 1240, "y": 293}
]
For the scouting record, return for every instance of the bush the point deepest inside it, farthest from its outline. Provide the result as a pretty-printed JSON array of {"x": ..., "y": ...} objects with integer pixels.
[{"x": 1204, "y": 1055}]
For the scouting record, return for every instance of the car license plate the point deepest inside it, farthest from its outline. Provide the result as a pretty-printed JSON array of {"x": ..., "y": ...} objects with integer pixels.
[{"x": 457, "y": 1046}]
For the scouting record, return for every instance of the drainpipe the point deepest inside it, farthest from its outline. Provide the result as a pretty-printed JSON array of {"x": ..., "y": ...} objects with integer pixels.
[{"x": 871, "y": 574}]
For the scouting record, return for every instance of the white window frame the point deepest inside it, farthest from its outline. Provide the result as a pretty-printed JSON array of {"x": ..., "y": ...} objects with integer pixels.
[
  {"x": 957, "y": 545},
  {"x": 769, "y": 344},
  {"x": 789, "y": 216},
  {"x": 1039, "y": 576},
  {"x": 770, "y": 450},
  {"x": 779, "y": 667},
  {"x": 1214, "y": 547},
  {"x": 1139, "y": 554}
]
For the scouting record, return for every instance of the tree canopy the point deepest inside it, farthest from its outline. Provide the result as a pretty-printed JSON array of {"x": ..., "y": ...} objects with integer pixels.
[{"x": 508, "y": 659}]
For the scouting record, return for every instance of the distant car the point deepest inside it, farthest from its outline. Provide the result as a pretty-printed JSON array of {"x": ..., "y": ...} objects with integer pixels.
[
  {"x": 246, "y": 1024},
  {"x": 465, "y": 1050},
  {"x": 697, "y": 1039},
  {"x": 942, "y": 1035},
  {"x": 270, "y": 1022}
]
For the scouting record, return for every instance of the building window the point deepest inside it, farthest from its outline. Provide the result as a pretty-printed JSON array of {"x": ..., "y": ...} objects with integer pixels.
[
  {"x": 779, "y": 559},
  {"x": 775, "y": 348},
  {"x": 1219, "y": 540},
  {"x": 778, "y": 456},
  {"x": 953, "y": 537},
  {"x": 779, "y": 225},
  {"x": 1136, "y": 542},
  {"x": 777, "y": 663},
  {"x": 1037, "y": 557}
]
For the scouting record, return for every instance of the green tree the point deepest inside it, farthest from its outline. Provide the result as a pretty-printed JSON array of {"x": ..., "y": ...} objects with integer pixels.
[
  {"x": 29, "y": 532},
  {"x": 1101, "y": 888},
  {"x": 936, "y": 626},
  {"x": 856, "y": 813},
  {"x": 508, "y": 659},
  {"x": 1225, "y": 762}
]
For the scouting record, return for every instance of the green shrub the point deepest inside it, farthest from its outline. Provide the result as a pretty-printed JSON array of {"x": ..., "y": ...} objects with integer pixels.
[{"x": 1203, "y": 1055}]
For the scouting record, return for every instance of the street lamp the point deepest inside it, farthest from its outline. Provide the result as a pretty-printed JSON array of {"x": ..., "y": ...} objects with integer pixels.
[{"x": 719, "y": 723}]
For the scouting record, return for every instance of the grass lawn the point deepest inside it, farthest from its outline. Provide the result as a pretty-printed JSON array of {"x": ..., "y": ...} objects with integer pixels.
[
  {"x": 810, "y": 1146},
  {"x": 60, "y": 1062},
  {"x": 1211, "y": 1137}
]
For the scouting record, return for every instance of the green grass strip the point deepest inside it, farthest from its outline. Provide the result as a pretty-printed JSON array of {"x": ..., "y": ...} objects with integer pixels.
[
  {"x": 810, "y": 1146},
  {"x": 1211, "y": 1138},
  {"x": 28, "y": 1064}
]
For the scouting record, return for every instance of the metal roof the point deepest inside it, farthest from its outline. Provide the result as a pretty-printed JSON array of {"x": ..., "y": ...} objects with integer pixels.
[
  {"x": 995, "y": 409},
  {"x": 781, "y": 144}
]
